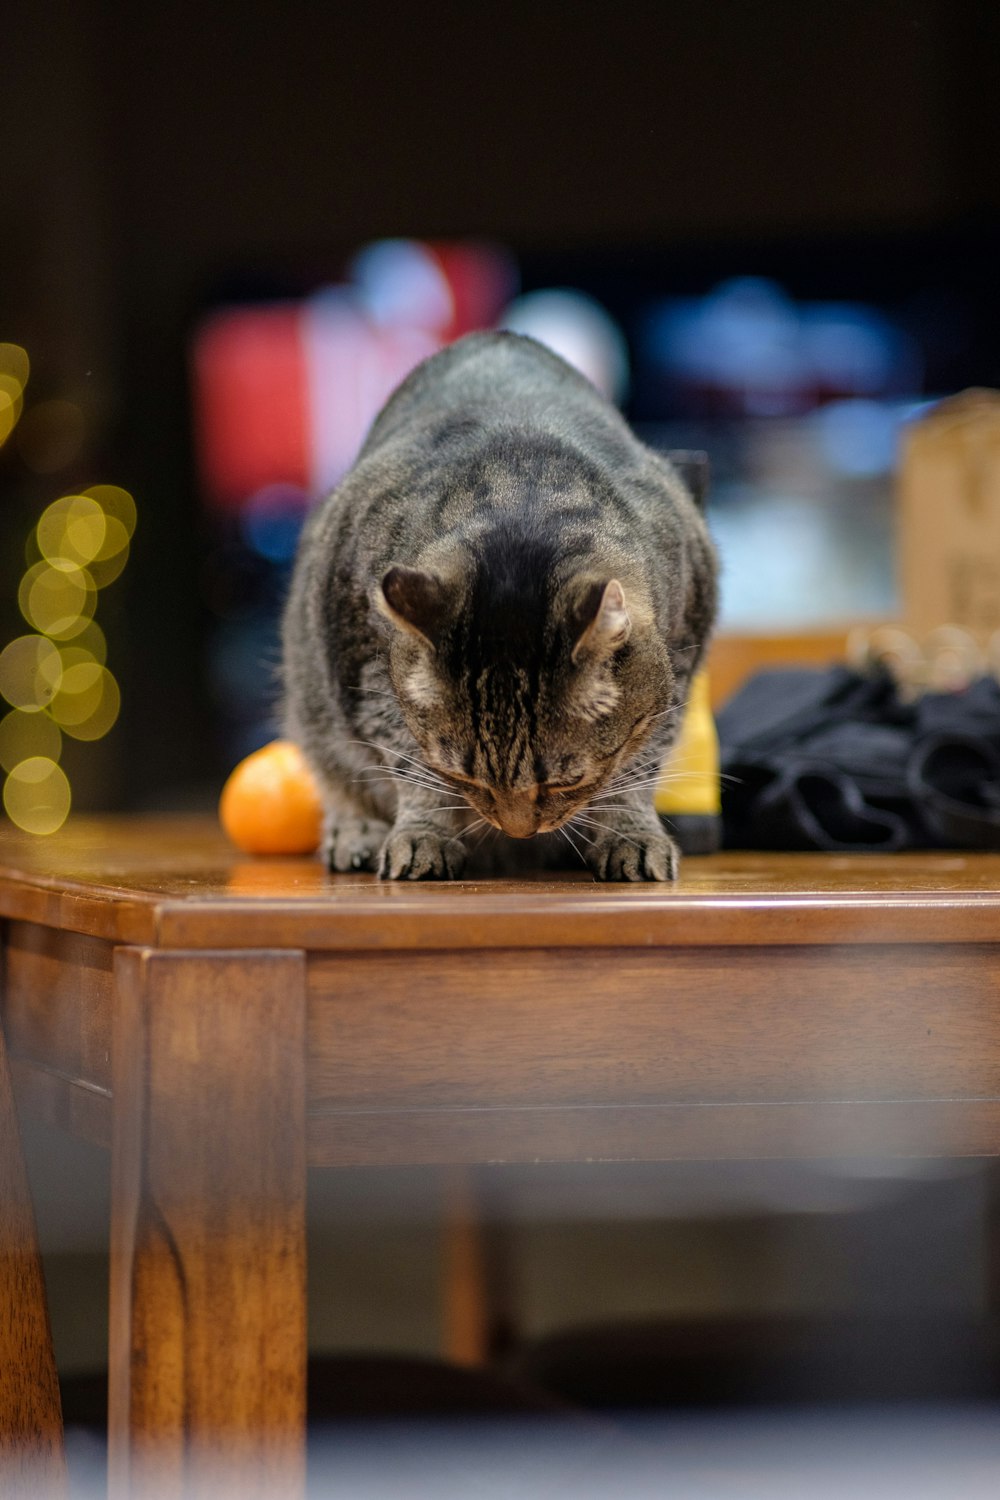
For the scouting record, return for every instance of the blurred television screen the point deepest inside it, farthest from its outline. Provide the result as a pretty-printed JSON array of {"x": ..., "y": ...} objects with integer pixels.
[{"x": 794, "y": 367}]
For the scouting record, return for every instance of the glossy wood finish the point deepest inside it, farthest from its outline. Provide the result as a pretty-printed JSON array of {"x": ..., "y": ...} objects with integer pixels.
[
  {"x": 58, "y": 992},
  {"x": 177, "y": 883},
  {"x": 208, "y": 1341},
  {"x": 31, "y": 1453},
  {"x": 654, "y": 1053},
  {"x": 219, "y": 1019}
]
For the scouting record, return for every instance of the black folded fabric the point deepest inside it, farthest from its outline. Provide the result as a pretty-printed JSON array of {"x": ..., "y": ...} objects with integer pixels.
[{"x": 836, "y": 759}]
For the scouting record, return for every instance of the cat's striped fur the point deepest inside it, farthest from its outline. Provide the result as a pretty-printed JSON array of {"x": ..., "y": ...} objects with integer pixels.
[{"x": 494, "y": 620}]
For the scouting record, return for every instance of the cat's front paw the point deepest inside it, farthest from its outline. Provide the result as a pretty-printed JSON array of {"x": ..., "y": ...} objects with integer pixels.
[
  {"x": 421, "y": 854},
  {"x": 354, "y": 844},
  {"x": 645, "y": 855}
]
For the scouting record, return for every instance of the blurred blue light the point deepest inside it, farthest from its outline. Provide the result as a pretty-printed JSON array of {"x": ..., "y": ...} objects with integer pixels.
[
  {"x": 748, "y": 344},
  {"x": 402, "y": 285},
  {"x": 272, "y": 520},
  {"x": 859, "y": 438},
  {"x": 856, "y": 350}
]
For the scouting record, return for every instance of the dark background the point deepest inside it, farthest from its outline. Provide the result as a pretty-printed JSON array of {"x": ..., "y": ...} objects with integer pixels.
[{"x": 148, "y": 152}]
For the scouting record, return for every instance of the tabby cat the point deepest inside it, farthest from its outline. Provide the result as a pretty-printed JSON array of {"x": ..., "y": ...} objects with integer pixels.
[{"x": 493, "y": 623}]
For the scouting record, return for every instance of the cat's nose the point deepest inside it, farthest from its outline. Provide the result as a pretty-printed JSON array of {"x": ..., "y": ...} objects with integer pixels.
[{"x": 518, "y": 819}]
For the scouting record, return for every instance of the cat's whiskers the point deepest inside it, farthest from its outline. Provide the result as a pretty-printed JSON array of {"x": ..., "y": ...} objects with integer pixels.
[
  {"x": 384, "y": 773},
  {"x": 412, "y": 760},
  {"x": 455, "y": 807},
  {"x": 390, "y": 774},
  {"x": 397, "y": 779},
  {"x": 606, "y": 827},
  {"x": 578, "y": 852},
  {"x": 483, "y": 825},
  {"x": 675, "y": 708},
  {"x": 636, "y": 779}
]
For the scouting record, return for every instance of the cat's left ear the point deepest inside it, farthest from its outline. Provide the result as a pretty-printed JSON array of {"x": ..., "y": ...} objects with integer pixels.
[
  {"x": 605, "y": 621},
  {"x": 414, "y": 601}
]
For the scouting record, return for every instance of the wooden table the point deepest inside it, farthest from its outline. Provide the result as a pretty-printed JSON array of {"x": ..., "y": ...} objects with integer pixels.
[{"x": 218, "y": 1022}]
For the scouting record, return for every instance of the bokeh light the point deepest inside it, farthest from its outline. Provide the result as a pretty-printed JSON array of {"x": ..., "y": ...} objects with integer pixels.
[
  {"x": 14, "y": 369},
  {"x": 58, "y": 600},
  {"x": 23, "y": 735},
  {"x": 71, "y": 530},
  {"x": 14, "y": 362},
  {"x": 579, "y": 329},
  {"x": 10, "y": 405},
  {"x": 88, "y": 701},
  {"x": 116, "y": 502},
  {"x": 37, "y": 795},
  {"x": 112, "y": 554},
  {"x": 272, "y": 521},
  {"x": 402, "y": 285},
  {"x": 57, "y": 680},
  {"x": 91, "y": 641},
  {"x": 30, "y": 672},
  {"x": 80, "y": 690}
]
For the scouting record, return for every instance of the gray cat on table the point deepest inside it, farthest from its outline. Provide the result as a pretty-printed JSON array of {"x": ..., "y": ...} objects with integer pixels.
[{"x": 493, "y": 623}]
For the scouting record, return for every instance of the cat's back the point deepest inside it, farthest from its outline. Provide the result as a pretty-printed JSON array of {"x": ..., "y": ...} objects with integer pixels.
[{"x": 487, "y": 383}]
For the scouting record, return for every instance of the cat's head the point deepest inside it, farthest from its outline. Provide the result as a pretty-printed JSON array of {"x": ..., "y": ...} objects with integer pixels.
[{"x": 527, "y": 694}]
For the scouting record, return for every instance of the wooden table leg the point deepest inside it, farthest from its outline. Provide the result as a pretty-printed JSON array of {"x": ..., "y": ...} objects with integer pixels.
[
  {"x": 31, "y": 1444},
  {"x": 477, "y": 1295},
  {"x": 208, "y": 1317}
]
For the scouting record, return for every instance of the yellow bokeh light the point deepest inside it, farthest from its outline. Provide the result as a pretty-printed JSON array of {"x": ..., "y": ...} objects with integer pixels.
[
  {"x": 90, "y": 641},
  {"x": 71, "y": 531},
  {"x": 11, "y": 403},
  {"x": 80, "y": 692},
  {"x": 14, "y": 362},
  {"x": 115, "y": 501},
  {"x": 91, "y": 705},
  {"x": 24, "y": 735},
  {"x": 57, "y": 600},
  {"x": 113, "y": 554},
  {"x": 30, "y": 672},
  {"x": 78, "y": 654},
  {"x": 14, "y": 369},
  {"x": 36, "y": 795}
]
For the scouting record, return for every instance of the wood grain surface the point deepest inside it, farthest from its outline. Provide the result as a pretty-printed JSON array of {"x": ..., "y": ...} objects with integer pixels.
[
  {"x": 175, "y": 882},
  {"x": 208, "y": 1341},
  {"x": 31, "y": 1451},
  {"x": 642, "y": 1054}
]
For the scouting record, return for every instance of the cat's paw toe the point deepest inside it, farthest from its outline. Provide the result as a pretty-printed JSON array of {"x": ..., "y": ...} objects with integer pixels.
[
  {"x": 415, "y": 854},
  {"x": 638, "y": 857},
  {"x": 354, "y": 845}
]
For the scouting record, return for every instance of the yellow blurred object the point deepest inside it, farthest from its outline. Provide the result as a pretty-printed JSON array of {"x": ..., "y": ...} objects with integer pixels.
[
  {"x": 36, "y": 795},
  {"x": 688, "y": 791},
  {"x": 270, "y": 804}
]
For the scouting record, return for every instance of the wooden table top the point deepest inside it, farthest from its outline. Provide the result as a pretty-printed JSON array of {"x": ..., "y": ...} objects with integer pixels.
[{"x": 176, "y": 882}]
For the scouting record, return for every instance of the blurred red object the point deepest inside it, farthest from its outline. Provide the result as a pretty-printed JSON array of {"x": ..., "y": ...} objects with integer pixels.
[{"x": 251, "y": 402}]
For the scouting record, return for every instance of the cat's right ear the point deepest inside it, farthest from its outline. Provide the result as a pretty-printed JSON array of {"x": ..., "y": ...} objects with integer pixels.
[
  {"x": 602, "y": 618},
  {"x": 414, "y": 601}
]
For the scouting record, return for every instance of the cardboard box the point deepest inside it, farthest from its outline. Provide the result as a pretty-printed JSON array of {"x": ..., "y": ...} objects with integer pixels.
[{"x": 949, "y": 517}]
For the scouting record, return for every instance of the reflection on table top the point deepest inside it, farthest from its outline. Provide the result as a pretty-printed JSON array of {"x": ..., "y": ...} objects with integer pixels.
[{"x": 176, "y": 881}]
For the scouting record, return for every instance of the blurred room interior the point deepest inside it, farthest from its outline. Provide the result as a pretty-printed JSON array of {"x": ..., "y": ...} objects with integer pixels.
[{"x": 773, "y": 231}]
